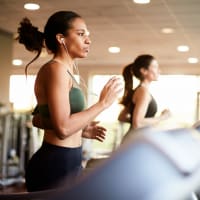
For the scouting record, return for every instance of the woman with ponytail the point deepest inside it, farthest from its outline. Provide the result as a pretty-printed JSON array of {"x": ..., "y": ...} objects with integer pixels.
[
  {"x": 139, "y": 105},
  {"x": 60, "y": 109}
]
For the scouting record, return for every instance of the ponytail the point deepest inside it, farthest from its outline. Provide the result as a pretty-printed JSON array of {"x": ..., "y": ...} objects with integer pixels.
[
  {"x": 134, "y": 69},
  {"x": 128, "y": 88},
  {"x": 31, "y": 37}
]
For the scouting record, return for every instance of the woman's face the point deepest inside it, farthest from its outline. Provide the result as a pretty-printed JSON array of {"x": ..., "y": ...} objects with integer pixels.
[
  {"x": 77, "y": 41},
  {"x": 153, "y": 71}
]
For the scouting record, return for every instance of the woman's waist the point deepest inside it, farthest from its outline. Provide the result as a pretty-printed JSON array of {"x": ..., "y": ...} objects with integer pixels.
[{"x": 72, "y": 141}]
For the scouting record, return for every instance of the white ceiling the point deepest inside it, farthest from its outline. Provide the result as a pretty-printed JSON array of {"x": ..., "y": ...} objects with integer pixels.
[{"x": 134, "y": 28}]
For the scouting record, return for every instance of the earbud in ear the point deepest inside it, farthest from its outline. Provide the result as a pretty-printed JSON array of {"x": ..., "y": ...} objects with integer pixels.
[
  {"x": 62, "y": 40},
  {"x": 63, "y": 43}
]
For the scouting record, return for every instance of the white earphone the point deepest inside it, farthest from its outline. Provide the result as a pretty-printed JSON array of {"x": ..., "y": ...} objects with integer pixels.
[
  {"x": 63, "y": 43},
  {"x": 62, "y": 40}
]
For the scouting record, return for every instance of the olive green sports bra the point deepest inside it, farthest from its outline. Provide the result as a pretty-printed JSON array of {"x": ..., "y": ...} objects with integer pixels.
[{"x": 76, "y": 100}]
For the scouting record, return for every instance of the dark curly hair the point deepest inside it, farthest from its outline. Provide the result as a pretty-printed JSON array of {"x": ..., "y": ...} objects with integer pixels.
[
  {"x": 31, "y": 37},
  {"x": 34, "y": 40}
]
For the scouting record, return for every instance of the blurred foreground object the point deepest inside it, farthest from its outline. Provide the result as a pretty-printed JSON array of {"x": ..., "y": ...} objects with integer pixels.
[{"x": 150, "y": 165}]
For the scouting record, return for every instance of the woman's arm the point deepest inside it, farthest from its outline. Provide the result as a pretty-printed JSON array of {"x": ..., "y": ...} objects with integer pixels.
[
  {"x": 141, "y": 105},
  {"x": 57, "y": 87},
  {"x": 91, "y": 131}
]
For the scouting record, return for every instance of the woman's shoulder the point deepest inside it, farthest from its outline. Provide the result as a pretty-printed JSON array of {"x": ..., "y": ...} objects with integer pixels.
[
  {"x": 51, "y": 65},
  {"x": 142, "y": 92},
  {"x": 54, "y": 72},
  {"x": 52, "y": 69}
]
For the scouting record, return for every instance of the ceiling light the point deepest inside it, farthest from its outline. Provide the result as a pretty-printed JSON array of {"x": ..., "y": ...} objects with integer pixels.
[
  {"x": 114, "y": 49},
  {"x": 17, "y": 62},
  {"x": 141, "y": 1},
  {"x": 31, "y": 6},
  {"x": 167, "y": 30},
  {"x": 183, "y": 48},
  {"x": 193, "y": 60}
]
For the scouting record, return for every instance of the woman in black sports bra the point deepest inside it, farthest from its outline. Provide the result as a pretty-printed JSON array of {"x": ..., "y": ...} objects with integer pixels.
[
  {"x": 139, "y": 105},
  {"x": 61, "y": 110}
]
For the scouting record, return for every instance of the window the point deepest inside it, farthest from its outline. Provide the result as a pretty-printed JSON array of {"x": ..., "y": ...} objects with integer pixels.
[
  {"x": 175, "y": 92},
  {"x": 22, "y": 92},
  {"x": 178, "y": 93}
]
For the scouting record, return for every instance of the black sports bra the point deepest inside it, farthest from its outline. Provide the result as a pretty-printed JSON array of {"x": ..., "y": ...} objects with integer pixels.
[{"x": 151, "y": 110}]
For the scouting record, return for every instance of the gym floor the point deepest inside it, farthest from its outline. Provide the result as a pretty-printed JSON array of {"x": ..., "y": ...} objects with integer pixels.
[{"x": 16, "y": 188}]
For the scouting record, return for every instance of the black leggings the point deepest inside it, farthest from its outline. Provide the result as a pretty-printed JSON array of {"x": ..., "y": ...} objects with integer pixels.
[{"x": 50, "y": 165}]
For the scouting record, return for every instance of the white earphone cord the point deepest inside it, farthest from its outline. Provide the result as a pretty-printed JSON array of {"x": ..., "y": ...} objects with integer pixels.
[{"x": 82, "y": 81}]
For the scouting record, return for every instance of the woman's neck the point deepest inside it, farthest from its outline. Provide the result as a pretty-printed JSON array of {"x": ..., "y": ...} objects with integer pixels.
[{"x": 145, "y": 84}]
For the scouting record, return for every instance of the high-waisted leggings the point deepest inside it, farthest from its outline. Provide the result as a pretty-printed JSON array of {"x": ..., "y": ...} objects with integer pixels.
[{"x": 50, "y": 165}]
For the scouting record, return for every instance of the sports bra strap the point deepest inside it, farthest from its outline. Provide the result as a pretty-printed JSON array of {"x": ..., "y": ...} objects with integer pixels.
[{"x": 73, "y": 78}]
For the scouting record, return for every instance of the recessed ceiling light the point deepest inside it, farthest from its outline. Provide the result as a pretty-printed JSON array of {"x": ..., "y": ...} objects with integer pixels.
[
  {"x": 31, "y": 6},
  {"x": 141, "y": 1},
  {"x": 193, "y": 60},
  {"x": 183, "y": 48},
  {"x": 167, "y": 30},
  {"x": 17, "y": 62},
  {"x": 114, "y": 49}
]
